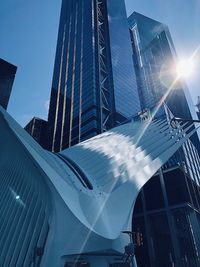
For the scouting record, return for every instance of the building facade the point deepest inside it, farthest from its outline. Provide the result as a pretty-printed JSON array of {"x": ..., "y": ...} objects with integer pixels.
[
  {"x": 93, "y": 85},
  {"x": 155, "y": 60},
  {"x": 169, "y": 220},
  {"x": 7, "y": 76},
  {"x": 198, "y": 107},
  {"x": 37, "y": 129}
]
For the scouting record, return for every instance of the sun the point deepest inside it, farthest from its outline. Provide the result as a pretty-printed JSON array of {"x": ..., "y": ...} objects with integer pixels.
[{"x": 185, "y": 68}]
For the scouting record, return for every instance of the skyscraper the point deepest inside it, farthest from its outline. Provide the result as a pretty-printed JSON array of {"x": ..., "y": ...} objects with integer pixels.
[
  {"x": 93, "y": 85},
  {"x": 167, "y": 210},
  {"x": 155, "y": 63},
  {"x": 7, "y": 75},
  {"x": 36, "y": 127}
]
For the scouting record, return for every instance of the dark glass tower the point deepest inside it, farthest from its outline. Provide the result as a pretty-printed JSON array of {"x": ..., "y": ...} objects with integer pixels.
[
  {"x": 7, "y": 76},
  {"x": 36, "y": 127},
  {"x": 93, "y": 86}
]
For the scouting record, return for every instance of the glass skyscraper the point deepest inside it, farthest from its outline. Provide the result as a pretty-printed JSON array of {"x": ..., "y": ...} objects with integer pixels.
[
  {"x": 167, "y": 210},
  {"x": 7, "y": 76},
  {"x": 155, "y": 62},
  {"x": 94, "y": 86},
  {"x": 36, "y": 127}
]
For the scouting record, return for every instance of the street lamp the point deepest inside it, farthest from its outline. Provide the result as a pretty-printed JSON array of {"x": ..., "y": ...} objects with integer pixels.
[{"x": 135, "y": 240}]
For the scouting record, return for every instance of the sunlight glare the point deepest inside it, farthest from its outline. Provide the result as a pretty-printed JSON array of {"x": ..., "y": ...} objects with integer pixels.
[{"x": 185, "y": 68}]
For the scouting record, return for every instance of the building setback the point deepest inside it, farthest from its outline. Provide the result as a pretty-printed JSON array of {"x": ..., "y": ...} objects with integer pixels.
[
  {"x": 7, "y": 76},
  {"x": 93, "y": 86}
]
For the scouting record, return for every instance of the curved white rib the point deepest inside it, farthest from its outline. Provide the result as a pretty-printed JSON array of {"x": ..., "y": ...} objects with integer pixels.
[{"x": 93, "y": 185}]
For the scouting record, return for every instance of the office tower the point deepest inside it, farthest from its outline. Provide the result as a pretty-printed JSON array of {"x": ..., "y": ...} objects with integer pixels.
[
  {"x": 93, "y": 86},
  {"x": 7, "y": 76},
  {"x": 155, "y": 63},
  {"x": 36, "y": 127},
  {"x": 168, "y": 207}
]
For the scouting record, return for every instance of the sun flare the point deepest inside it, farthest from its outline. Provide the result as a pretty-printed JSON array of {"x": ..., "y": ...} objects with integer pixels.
[{"x": 185, "y": 68}]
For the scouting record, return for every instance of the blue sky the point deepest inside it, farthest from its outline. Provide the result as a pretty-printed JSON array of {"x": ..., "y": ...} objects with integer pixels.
[{"x": 28, "y": 31}]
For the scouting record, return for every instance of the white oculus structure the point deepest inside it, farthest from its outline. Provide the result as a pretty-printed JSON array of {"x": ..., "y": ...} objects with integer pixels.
[{"x": 73, "y": 206}]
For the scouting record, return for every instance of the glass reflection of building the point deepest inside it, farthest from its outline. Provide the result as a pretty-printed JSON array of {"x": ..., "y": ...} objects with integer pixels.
[
  {"x": 93, "y": 83},
  {"x": 167, "y": 210}
]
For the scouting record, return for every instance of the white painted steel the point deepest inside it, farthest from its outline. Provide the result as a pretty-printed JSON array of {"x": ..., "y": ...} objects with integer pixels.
[{"x": 54, "y": 207}]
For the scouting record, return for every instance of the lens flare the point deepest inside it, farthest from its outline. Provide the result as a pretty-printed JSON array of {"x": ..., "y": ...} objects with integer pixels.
[{"x": 185, "y": 68}]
